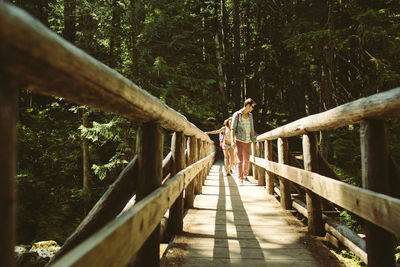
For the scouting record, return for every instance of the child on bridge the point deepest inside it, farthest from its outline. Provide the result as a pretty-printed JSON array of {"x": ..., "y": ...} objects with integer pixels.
[{"x": 226, "y": 144}]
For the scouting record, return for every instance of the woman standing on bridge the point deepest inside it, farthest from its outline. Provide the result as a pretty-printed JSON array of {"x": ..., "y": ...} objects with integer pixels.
[
  {"x": 243, "y": 135},
  {"x": 226, "y": 144}
]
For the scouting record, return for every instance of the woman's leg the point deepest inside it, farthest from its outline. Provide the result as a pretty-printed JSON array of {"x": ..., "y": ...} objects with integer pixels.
[
  {"x": 240, "y": 159},
  {"x": 246, "y": 157},
  {"x": 226, "y": 160},
  {"x": 231, "y": 159}
]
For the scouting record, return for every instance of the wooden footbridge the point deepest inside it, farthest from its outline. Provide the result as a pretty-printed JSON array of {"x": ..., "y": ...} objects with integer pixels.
[{"x": 224, "y": 224}]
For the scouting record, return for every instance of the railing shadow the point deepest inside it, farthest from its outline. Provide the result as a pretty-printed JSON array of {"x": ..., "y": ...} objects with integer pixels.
[
  {"x": 248, "y": 243},
  {"x": 220, "y": 215},
  {"x": 228, "y": 220}
]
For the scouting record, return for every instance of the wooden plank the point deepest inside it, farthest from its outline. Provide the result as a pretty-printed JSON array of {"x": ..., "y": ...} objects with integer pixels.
[
  {"x": 260, "y": 171},
  {"x": 378, "y": 208},
  {"x": 149, "y": 151},
  {"x": 284, "y": 185},
  {"x": 75, "y": 75},
  {"x": 199, "y": 180},
  {"x": 8, "y": 158},
  {"x": 347, "y": 237},
  {"x": 167, "y": 162},
  {"x": 252, "y": 166},
  {"x": 311, "y": 163},
  {"x": 375, "y": 177},
  {"x": 340, "y": 232},
  {"x": 394, "y": 176},
  {"x": 113, "y": 244},
  {"x": 246, "y": 226},
  {"x": 178, "y": 156},
  {"x": 381, "y": 105},
  {"x": 189, "y": 189},
  {"x": 205, "y": 171}
]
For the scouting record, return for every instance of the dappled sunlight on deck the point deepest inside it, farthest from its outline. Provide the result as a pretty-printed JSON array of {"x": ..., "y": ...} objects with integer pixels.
[{"x": 238, "y": 225}]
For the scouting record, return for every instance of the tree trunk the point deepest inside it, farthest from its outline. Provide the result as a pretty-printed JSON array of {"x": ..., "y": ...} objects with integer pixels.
[
  {"x": 134, "y": 33},
  {"x": 85, "y": 150},
  {"x": 115, "y": 38},
  {"x": 69, "y": 20},
  {"x": 226, "y": 48},
  {"x": 327, "y": 83},
  {"x": 8, "y": 158},
  {"x": 39, "y": 9},
  {"x": 221, "y": 77},
  {"x": 236, "y": 93}
]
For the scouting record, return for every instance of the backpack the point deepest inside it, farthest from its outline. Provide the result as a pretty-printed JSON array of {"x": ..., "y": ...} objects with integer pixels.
[
  {"x": 221, "y": 138},
  {"x": 238, "y": 116}
]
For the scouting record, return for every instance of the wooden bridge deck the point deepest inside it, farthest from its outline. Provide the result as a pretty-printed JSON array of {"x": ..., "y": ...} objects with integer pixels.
[{"x": 240, "y": 225}]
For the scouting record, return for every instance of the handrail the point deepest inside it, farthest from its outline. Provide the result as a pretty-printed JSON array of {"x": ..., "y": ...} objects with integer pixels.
[
  {"x": 126, "y": 234},
  {"x": 382, "y": 105},
  {"x": 32, "y": 57},
  {"x": 378, "y": 208},
  {"x": 377, "y": 202},
  {"x": 45, "y": 63}
]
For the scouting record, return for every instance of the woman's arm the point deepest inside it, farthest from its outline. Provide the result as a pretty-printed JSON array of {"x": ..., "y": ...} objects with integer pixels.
[
  {"x": 233, "y": 138},
  {"x": 216, "y": 131}
]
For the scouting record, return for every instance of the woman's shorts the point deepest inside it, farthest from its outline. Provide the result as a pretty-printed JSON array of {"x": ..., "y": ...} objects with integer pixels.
[{"x": 227, "y": 146}]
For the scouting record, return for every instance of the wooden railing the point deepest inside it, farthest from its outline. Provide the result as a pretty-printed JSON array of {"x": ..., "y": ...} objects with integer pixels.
[
  {"x": 377, "y": 202},
  {"x": 34, "y": 58}
]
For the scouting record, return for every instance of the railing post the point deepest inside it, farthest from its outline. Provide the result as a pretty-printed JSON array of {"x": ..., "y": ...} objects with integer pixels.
[
  {"x": 199, "y": 179},
  {"x": 253, "y": 166},
  {"x": 204, "y": 146},
  {"x": 284, "y": 185},
  {"x": 178, "y": 163},
  {"x": 8, "y": 158},
  {"x": 260, "y": 171},
  {"x": 270, "y": 177},
  {"x": 311, "y": 163},
  {"x": 189, "y": 190},
  {"x": 149, "y": 151},
  {"x": 374, "y": 164}
]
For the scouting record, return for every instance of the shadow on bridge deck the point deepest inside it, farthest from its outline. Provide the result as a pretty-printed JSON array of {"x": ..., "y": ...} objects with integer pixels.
[{"x": 241, "y": 225}]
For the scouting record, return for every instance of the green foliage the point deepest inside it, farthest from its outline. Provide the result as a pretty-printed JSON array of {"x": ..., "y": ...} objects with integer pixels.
[
  {"x": 348, "y": 220},
  {"x": 168, "y": 48},
  {"x": 355, "y": 261}
]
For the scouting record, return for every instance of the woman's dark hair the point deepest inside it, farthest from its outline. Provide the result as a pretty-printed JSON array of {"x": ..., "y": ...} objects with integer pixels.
[
  {"x": 249, "y": 101},
  {"x": 226, "y": 122}
]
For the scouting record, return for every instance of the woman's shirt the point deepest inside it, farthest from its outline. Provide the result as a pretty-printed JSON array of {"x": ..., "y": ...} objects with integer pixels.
[
  {"x": 227, "y": 137},
  {"x": 247, "y": 125},
  {"x": 244, "y": 127}
]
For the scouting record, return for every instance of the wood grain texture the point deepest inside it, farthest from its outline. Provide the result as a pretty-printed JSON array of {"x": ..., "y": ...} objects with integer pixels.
[
  {"x": 114, "y": 244},
  {"x": 150, "y": 151},
  {"x": 239, "y": 226},
  {"x": 382, "y": 105},
  {"x": 260, "y": 171},
  {"x": 178, "y": 155},
  {"x": 189, "y": 189},
  {"x": 340, "y": 232},
  {"x": 52, "y": 66},
  {"x": 106, "y": 208},
  {"x": 311, "y": 163},
  {"x": 8, "y": 157},
  {"x": 198, "y": 183},
  {"x": 375, "y": 177},
  {"x": 269, "y": 176},
  {"x": 284, "y": 185},
  {"x": 378, "y": 208}
]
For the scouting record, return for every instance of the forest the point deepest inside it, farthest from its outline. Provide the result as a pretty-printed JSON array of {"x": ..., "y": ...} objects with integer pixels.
[{"x": 203, "y": 59}]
